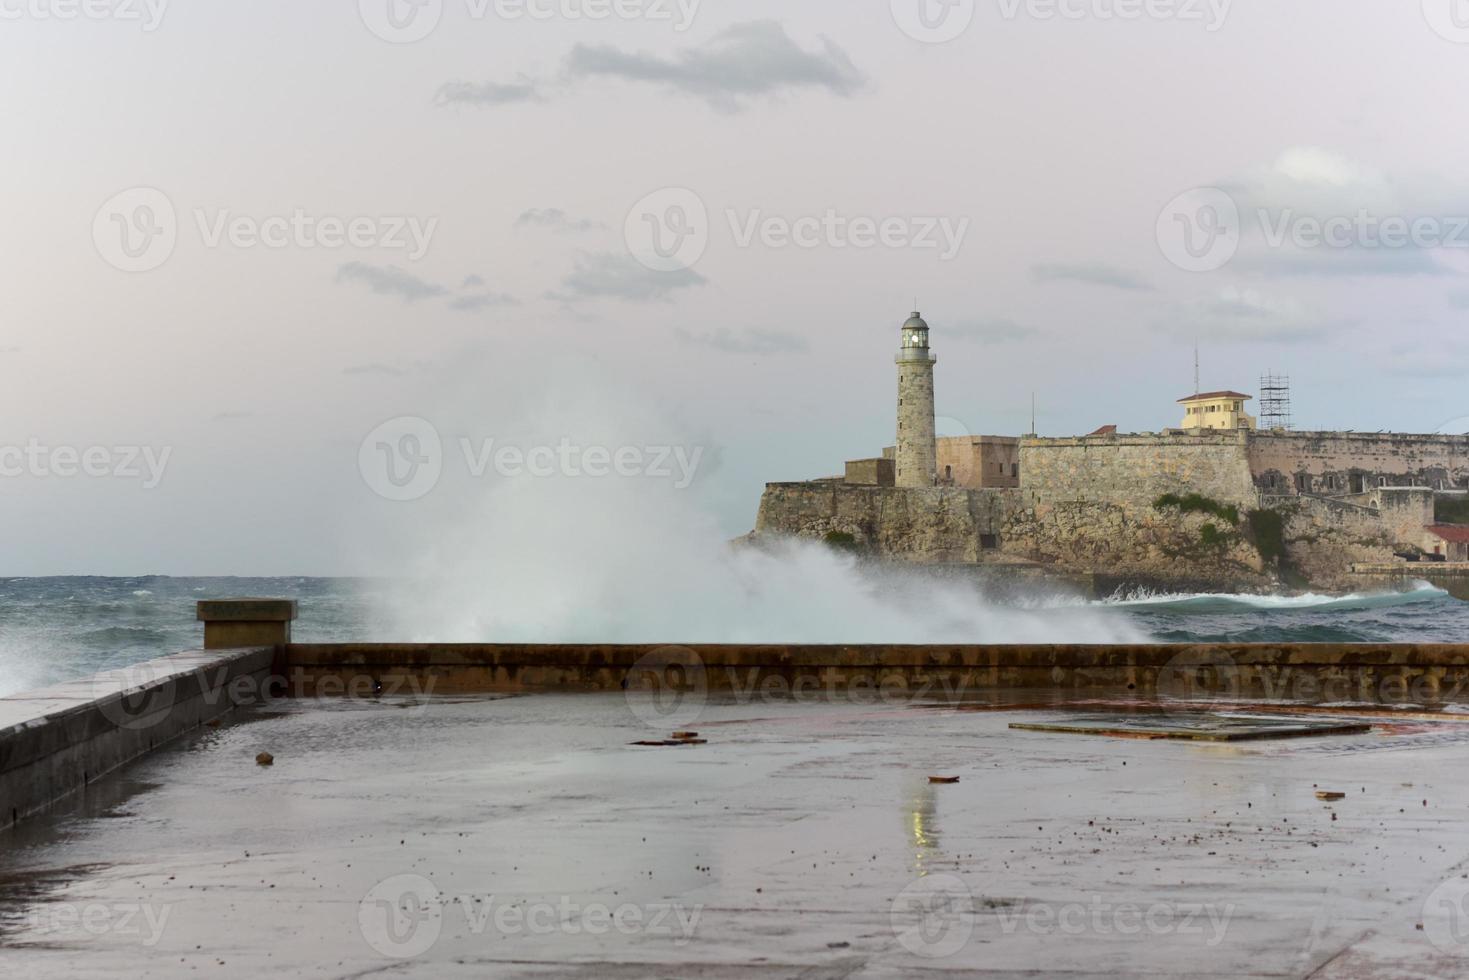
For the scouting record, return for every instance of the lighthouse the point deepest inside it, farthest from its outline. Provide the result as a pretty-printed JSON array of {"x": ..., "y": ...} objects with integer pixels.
[{"x": 917, "y": 461}]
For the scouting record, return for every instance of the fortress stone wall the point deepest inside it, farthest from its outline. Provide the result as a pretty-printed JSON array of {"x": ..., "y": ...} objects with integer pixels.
[
  {"x": 1090, "y": 505},
  {"x": 1331, "y": 463},
  {"x": 1132, "y": 471},
  {"x": 933, "y": 525}
]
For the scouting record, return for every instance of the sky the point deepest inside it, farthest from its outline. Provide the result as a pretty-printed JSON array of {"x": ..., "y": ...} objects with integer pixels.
[{"x": 286, "y": 285}]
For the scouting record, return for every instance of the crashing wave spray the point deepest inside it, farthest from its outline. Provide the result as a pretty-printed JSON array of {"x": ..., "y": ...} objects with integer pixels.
[{"x": 571, "y": 558}]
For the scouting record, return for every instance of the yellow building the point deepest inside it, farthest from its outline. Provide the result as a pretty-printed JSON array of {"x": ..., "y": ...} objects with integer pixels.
[{"x": 1216, "y": 410}]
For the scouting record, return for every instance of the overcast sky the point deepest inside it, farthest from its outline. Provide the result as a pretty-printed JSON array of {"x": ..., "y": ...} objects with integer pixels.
[{"x": 241, "y": 238}]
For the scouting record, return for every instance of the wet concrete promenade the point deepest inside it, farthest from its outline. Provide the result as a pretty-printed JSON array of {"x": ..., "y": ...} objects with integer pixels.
[{"x": 526, "y": 837}]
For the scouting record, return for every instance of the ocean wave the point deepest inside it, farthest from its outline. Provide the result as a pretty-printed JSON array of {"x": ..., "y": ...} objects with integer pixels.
[
  {"x": 125, "y": 636},
  {"x": 1204, "y": 602}
]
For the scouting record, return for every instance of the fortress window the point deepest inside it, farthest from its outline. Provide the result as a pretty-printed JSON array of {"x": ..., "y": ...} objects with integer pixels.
[{"x": 989, "y": 542}]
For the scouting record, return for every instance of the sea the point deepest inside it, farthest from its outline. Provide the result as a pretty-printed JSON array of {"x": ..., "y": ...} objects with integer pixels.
[{"x": 58, "y": 629}]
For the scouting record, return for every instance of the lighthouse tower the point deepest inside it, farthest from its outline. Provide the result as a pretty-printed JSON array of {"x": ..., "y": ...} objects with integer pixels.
[{"x": 917, "y": 462}]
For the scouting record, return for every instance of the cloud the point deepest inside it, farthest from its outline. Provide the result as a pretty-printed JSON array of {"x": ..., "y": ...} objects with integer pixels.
[
  {"x": 233, "y": 416},
  {"x": 1288, "y": 261},
  {"x": 748, "y": 341},
  {"x": 757, "y": 58},
  {"x": 556, "y": 220},
  {"x": 9, "y": 350},
  {"x": 746, "y": 61},
  {"x": 374, "y": 370},
  {"x": 992, "y": 330},
  {"x": 390, "y": 281},
  {"x": 1458, "y": 299},
  {"x": 1431, "y": 357},
  {"x": 485, "y": 94},
  {"x": 1315, "y": 212},
  {"x": 1096, "y": 274},
  {"x": 482, "y": 301},
  {"x": 470, "y": 282},
  {"x": 1249, "y": 316},
  {"x": 611, "y": 275}
]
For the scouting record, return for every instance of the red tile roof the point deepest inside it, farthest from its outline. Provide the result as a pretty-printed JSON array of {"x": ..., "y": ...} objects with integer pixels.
[
  {"x": 1106, "y": 430},
  {"x": 1216, "y": 394},
  {"x": 1453, "y": 533}
]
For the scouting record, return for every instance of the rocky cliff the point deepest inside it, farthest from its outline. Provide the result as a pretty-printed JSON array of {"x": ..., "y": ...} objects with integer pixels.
[{"x": 1173, "y": 542}]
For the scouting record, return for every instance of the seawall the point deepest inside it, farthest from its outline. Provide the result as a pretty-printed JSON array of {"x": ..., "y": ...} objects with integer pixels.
[{"x": 56, "y": 742}]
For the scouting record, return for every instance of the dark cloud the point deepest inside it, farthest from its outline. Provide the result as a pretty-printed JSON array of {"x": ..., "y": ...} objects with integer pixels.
[
  {"x": 1249, "y": 316},
  {"x": 612, "y": 275},
  {"x": 481, "y": 301},
  {"x": 556, "y": 220},
  {"x": 749, "y": 341},
  {"x": 1339, "y": 262},
  {"x": 991, "y": 330},
  {"x": 390, "y": 281},
  {"x": 485, "y": 94},
  {"x": 747, "y": 60},
  {"x": 1095, "y": 274}
]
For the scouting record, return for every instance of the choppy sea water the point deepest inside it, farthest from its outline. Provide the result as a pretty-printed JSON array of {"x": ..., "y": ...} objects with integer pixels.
[{"x": 56, "y": 629}]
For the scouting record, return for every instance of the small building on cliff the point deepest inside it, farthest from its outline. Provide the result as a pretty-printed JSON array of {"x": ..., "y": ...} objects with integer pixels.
[{"x": 1216, "y": 410}]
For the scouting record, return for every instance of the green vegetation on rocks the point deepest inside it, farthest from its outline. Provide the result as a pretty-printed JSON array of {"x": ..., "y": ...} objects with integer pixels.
[
  {"x": 1267, "y": 531},
  {"x": 1194, "y": 503}
]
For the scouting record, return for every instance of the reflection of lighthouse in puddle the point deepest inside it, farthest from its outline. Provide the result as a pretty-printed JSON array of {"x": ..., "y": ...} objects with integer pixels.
[{"x": 923, "y": 826}]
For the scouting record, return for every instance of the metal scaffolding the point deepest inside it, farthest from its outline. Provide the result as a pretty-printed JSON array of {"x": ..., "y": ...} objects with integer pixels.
[{"x": 1275, "y": 410}]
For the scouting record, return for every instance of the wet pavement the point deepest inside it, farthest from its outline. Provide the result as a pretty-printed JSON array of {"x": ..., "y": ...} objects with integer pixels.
[{"x": 527, "y": 837}]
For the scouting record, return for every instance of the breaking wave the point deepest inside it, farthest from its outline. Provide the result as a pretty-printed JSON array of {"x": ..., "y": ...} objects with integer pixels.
[{"x": 1183, "y": 603}]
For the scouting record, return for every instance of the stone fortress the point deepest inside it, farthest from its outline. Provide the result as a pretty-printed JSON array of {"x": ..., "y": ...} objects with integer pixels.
[{"x": 1218, "y": 503}]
